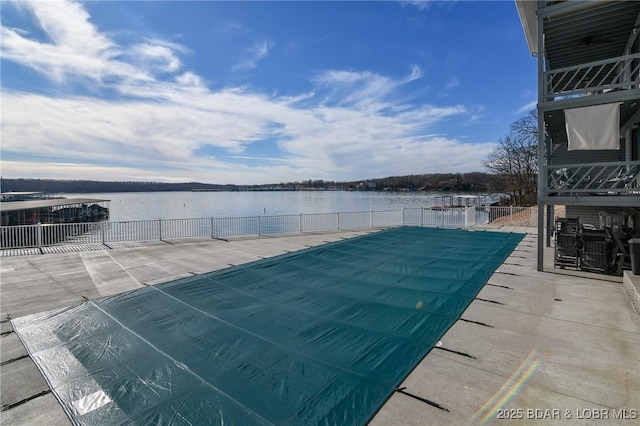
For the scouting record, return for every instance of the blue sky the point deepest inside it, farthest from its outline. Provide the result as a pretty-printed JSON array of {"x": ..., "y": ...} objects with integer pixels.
[{"x": 258, "y": 92}]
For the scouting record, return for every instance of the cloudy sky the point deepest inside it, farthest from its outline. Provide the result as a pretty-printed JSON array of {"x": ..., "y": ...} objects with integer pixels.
[{"x": 257, "y": 92}]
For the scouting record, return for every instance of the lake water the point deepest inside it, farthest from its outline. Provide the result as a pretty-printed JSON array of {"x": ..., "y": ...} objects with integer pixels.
[{"x": 130, "y": 206}]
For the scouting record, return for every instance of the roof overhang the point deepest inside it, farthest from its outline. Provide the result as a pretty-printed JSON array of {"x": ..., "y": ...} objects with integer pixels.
[{"x": 529, "y": 21}]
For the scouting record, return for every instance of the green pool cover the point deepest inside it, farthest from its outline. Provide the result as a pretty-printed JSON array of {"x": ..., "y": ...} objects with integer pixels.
[{"x": 319, "y": 336}]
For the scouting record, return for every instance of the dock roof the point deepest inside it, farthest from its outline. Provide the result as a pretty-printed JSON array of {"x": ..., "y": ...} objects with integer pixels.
[{"x": 8, "y": 206}]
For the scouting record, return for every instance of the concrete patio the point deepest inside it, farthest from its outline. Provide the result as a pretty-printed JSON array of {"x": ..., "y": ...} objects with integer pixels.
[{"x": 535, "y": 347}]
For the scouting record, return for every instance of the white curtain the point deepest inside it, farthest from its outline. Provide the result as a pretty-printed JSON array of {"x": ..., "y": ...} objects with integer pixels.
[{"x": 593, "y": 127}]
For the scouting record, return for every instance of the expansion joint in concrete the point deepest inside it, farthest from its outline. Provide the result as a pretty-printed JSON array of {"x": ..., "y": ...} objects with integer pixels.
[
  {"x": 419, "y": 398},
  {"x": 22, "y": 401}
]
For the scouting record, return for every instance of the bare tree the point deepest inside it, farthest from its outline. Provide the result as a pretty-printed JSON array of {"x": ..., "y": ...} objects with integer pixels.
[{"x": 515, "y": 159}]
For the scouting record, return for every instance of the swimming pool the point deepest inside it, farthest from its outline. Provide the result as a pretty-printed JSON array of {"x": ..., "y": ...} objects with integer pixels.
[{"x": 322, "y": 335}]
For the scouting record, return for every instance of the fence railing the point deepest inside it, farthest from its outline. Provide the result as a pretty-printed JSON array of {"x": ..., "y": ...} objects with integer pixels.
[
  {"x": 512, "y": 216},
  {"x": 594, "y": 178},
  {"x": 43, "y": 235},
  {"x": 618, "y": 73}
]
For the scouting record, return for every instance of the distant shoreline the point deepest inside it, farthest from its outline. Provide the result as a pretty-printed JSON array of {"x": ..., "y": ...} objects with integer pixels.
[{"x": 470, "y": 183}]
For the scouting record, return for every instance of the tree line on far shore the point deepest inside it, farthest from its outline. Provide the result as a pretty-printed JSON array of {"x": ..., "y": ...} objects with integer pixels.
[
  {"x": 477, "y": 182},
  {"x": 53, "y": 186},
  {"x": 434, "y": 182}
]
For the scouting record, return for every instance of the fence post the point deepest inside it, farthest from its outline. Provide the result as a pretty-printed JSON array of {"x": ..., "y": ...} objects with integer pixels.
[
  {"x": 371, "y": 218},
  {"x": 160, "y": 228},
  {"x": 531, "y": 215},
  {"x": 511, "y": 214},
  {"x": 102, "y": 229},
  {"x": 259, "y": 224},
  {"x": 39, "y": 236},
  {"x": 213, "y": 232},
  {"x": 402, "y": 216},
  {"x": 422, "y": 217},
  {"x": 300, "y": 222},
  {"x": 338, "y": 221}
]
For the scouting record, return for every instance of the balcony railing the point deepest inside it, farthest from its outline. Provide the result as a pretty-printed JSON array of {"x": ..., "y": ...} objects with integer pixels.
[
  {"x": 621, "y": 178},
  {"x": 620, "y": 73}
]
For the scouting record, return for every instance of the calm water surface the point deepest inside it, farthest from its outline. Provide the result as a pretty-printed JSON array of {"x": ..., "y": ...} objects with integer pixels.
[{"x": 126, "y": 206}]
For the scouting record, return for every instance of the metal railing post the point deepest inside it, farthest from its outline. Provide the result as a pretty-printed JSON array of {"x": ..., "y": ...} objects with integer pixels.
[
  {"x": 259, "y": 224},
  {"x": 213, "y": 232},
  {"x": 338, "y": 221},
  {"x": 422, "y": 217},
  {"x": 531, "y": 216},
  {"x": 102, "y": 229},
  {"x": 160, "y": 228},
  {"x": 300, "y": 222},
  {"x": 371, "y": 218},
  {"x": 39, "y": 235},
  {"x": 511, "y": 214}
]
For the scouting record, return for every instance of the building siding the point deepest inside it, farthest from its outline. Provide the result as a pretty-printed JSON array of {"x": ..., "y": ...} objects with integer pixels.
[{"x": 590, "y": 214}]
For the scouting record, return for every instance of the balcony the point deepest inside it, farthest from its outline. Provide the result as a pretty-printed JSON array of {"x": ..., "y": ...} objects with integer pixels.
[
  {"x": 599, "y": 77},
  {"x": 575, "y": 180}
]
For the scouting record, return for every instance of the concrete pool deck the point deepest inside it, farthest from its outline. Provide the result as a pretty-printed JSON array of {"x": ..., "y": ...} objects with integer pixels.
[{"x": 558, "y": 345}]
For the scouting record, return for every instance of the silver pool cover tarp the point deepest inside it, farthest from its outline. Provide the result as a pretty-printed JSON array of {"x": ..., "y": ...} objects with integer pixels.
[{"x": 319, "y": 336}]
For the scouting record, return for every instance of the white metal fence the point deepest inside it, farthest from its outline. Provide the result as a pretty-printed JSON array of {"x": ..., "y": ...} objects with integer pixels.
[
  {"x": 43, "y": 235},
  {"x": 512, "y": 215}
]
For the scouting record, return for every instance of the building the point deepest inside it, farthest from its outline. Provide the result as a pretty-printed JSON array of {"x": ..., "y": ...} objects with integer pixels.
[
  {"x": 588, "y": 114},
  {"x": 31, "y": 208}
]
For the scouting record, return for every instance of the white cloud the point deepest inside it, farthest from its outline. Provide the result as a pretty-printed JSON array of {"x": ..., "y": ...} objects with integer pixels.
[
  {"x": 419, "y": 4},
  {"x": 426, "y": 4},
  {"x": 155, "y": 57},
  {"x": 350, "y": 125},
  {"x": 356, "y": 89},
  {"x": 364, "y": 89},
  {"x": 75, "y": 47},
  {"x": 453, "y": 83},
  {"x": 416, "y": 73},
  {"x": 253, "y": 55},
  {"x": 527, "y": 107}
]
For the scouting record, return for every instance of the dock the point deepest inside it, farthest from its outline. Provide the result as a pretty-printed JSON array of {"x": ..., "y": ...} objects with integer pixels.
[{"x": 534, "y": 347}]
